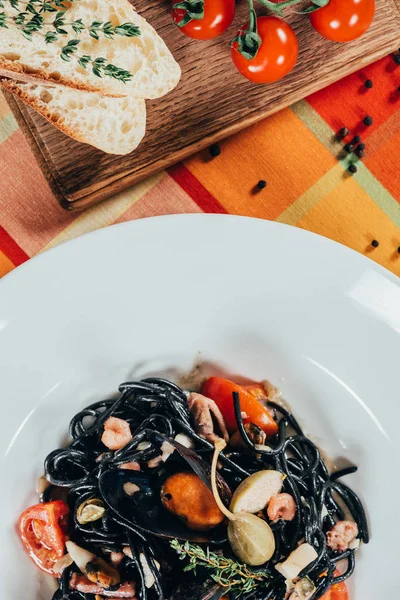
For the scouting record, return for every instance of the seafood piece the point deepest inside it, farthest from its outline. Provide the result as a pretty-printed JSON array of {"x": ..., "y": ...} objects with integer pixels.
[
  {"x": 206, "y": 414},
  {"x": 117, "y": 433},
  {"x": 96, "y": 569},
  {"x": 342, "y": 535},
  {"x": 80, "y": 583},
  {"x": 281, "y": 506},
  {"x": 186, "y": 496},
  {"x": 254, "y": 493}
]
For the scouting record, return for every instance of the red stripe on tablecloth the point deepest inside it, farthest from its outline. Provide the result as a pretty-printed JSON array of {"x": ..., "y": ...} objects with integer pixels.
[
  {"x": 11, "y": 248},
  {"x": 195, "y": 189}
]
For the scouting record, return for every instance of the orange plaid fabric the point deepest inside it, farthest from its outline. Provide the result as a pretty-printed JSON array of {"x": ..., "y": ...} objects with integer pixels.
[{"x": 295, "y": 151}]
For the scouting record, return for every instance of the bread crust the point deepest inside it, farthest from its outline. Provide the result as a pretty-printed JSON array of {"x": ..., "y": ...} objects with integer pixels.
[
  {"x": 39, "y": 107},
  {"x": 14, "y": 70}
]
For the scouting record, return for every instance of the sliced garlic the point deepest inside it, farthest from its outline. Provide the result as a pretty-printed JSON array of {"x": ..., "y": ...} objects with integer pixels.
[
  {"x": 62, "y": 563},
  {"x": 149, "y": 580},
  {"x": 184, "y": 440},
  {"x": 324, "y": 512},
  {"x": 166, "y": 450},
  {"x": 130, "y": 488},
  {"x": 298, "y": 560},
  {"x": 143, "y": 446},
  {"x": 254, "y": 493},
  {"x": 127, "y": 551}
]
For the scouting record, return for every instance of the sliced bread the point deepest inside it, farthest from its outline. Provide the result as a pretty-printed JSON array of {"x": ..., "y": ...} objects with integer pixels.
[
  {"x": 154, "y": 72},
  {"x": 114, "y": 125}
]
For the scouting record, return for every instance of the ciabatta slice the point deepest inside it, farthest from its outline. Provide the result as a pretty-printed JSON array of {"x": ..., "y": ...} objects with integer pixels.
[
  {"x": 153, "y": 68},
  {"x": 114, "y": 125}
]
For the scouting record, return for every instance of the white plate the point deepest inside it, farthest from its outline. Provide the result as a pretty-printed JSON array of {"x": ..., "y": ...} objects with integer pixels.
[{"x": 252, "y": 297}]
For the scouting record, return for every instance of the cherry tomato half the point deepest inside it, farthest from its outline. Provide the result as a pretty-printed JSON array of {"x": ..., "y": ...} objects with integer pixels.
[
  {"x": 218, "y": 16},
  {"x": 221, "y": 390},
  {"x": 337, "y": 591},
  {"x": 276, "y": 56},
  {"x": 40, "y": 529},
  {"x": 343, "y": 20}
]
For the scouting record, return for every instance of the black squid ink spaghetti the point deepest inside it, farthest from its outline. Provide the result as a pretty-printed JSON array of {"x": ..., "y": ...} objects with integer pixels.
[{"x": 167, "y": 494}]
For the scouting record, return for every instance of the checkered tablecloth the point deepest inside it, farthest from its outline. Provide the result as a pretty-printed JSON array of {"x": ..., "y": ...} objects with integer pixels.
[{"x": 295, "y": 152}]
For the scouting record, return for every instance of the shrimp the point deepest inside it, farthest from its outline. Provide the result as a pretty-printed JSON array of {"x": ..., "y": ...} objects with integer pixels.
[
  {"x": 281, "y": 506},
  {"x": 206, "y": 414},
  {"x": 341, "y": 535},
  {"x": 130, "y": 466},
  {"x": 116, "y": 558},
  {"x": 117, "y": 433}
]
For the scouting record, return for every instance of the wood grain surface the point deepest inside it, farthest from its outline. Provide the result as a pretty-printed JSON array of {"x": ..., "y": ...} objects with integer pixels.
[{"x": 211, "y": 102}]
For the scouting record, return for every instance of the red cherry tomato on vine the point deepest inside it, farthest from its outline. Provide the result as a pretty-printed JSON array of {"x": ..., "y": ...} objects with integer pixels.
[
  {"x": 276, "y": 56},
  {"x": 343, "y": 20},
  {"x": 218, "y": 16},
  {"x": 41, "y": 529}
]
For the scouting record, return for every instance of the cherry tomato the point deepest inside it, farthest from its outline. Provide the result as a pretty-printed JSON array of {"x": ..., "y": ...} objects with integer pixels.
[
  {"x": 256, "y": 390},
  {"x": 40, "y": 529},
  {"x": 221, "y": 390},
  {"x": 276, "y": 56},
  {"x": 343, "y": 20},
  {"x": 337, "y": 591},
  {"x": 218, "y": 16}
]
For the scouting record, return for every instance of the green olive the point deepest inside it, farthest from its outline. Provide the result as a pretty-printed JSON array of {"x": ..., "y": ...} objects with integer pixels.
[
  {"x": 251, "y": 539},
  {"x": 254, "y": 493}
]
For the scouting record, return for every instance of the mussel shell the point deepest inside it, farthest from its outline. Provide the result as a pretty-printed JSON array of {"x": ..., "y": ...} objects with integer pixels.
[
  {"x": 197, "y": 589},
  {"x": 201, "y": 467},
  {"x": 144, "y": 509}
]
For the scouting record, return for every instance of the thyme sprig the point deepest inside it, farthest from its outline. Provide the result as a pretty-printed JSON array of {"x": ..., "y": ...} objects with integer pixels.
[
  {"x": 34, "y": 19},
  {"x": 229, "y": 574},
  {"x": 99, "y": 66}
]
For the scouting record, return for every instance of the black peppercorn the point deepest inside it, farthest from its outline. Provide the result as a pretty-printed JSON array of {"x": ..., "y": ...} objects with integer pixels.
[
  {"x": 343, "y": 132},
  {"x": 361, "y": 146},
  {"x": 262, "y": 184},
  {"x": 374, "y": 243},
  {"x": 355, "y": 140},
  {"x": 368, "y": 120},
  {"x": 353, "y": 169},
  {"x": 349, "y": 147},
  {"x": 397, "y": 59},
  {"x": 360, "y": 153},
  {"x": 369, "y": 84},
  {"x": 215, "y": 150}
]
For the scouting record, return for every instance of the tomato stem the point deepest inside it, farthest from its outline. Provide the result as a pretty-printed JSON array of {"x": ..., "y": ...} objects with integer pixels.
[
  {"x": 248, "y": 42},
  {"x": 279, "y": 8},
  {"x": 193, "y": 10}
]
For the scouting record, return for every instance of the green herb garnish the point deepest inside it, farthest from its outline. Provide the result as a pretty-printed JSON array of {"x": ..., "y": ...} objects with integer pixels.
[
  {"x": 229, "y": 574},
  {"x": 35, "y": 18}
]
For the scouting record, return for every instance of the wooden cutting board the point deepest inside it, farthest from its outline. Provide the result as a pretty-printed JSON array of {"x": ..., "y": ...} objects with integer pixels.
[{"x": 211, "y": 102}]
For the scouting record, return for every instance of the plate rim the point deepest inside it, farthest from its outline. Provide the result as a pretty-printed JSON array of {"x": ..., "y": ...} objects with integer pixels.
[{"x": 86, "y": 238}]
